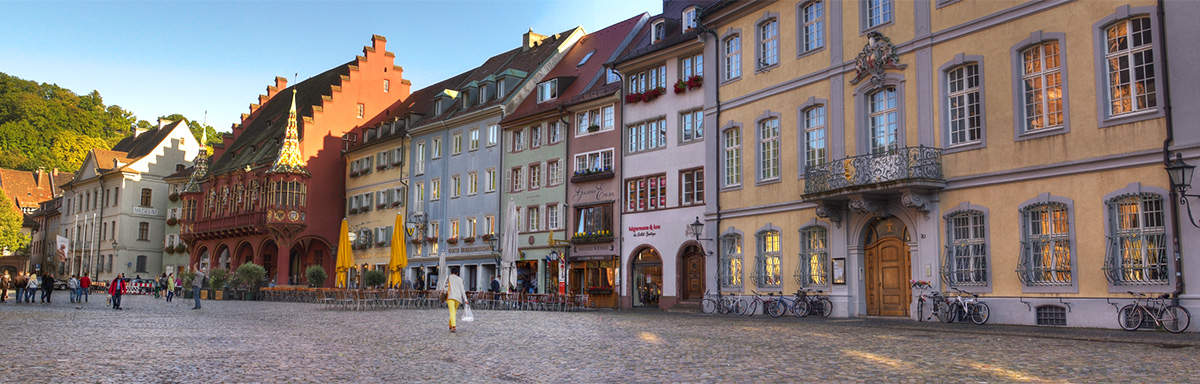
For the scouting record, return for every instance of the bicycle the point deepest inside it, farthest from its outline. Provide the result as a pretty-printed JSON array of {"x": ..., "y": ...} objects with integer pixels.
[
  {"x": 970, "y": 307},
  {"x": 938, "y": 305},
  {"x": 716, "y": 302},
  {"x": 749, "y": 309},
  {"x": 780, "y": 306},
  {"x": 807, "y": 304},
  {"x": 1172, "y": 317}
]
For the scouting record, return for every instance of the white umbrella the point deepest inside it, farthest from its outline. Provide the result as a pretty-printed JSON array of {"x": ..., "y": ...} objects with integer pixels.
[{"x": 508, "y": 247}]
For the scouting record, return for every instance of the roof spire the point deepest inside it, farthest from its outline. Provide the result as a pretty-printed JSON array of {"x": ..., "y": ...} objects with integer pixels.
[{"x": 289, "y": 160}]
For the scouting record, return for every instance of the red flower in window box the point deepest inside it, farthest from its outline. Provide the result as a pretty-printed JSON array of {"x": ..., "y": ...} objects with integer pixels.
[
  {"x": 452, "y": 241},
  {"x": 681, "y": 86},
  {"x": 633, "y": 98},
  {"x": 694, "y": 81}
]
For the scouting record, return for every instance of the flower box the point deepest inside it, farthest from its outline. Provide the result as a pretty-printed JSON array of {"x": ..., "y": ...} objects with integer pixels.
[
  {"x": 593, "y": 128},
  {"x": 172, "y": 221},
  {"x": 353, "y": 211},
  {"x": 168, "y": 249},
  {"x": 600, "y": 291},
  {"x": 380, "y": 244},
  {"x": 382, "y": 167},
  {"x": 452, "y": 241},
  {"x": 592, "y": 175},
  {"x": 633, "y": 98},
  {"x": 397, "y": 163},
  {"x": 488, "y": 237},
  {"x": 396, "y": 203},
  {"x": 595, "y": 237},
  {"x": 415, "y": 241},
  {"x": 469, "y": 239},
  {"x": 694, "y": 81},
  {"x": 431, "y": 239},
  {"x": 381, "y": 206},
  {"x": 173, "y": 197},
  {"x": 680, "y": 86},
  {"x": 181, "y": 248}
]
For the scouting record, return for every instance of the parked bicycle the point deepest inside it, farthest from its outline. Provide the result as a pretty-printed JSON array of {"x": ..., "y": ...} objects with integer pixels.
[
  {"x": 780, "y": 306},
  {"x": 809, "y": 304},
  {"x": 716, "y": 302},
  {"x": 1171, "y": 317},
  {"x": 938, "y": 304},
  {"x": 964, "y": 308},
  {"x": 751, "y": 307}
]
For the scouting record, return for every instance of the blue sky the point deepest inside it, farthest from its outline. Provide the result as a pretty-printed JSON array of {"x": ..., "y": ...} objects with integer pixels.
[{"x": 188, "y": 57}]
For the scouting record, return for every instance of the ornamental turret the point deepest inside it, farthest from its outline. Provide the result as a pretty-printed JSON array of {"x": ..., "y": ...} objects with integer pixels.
[{"x": 287, "y": 183}]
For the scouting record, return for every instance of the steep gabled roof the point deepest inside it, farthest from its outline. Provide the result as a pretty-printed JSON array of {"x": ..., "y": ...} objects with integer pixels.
[
  {"x": 142, "y": 144},
  {"x": 26, "y": 188},
  {"x": 672, "y": 33},
  {"x": 258, "y": 144}
]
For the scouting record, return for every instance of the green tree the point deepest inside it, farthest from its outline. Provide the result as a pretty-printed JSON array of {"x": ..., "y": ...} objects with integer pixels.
[{"x": 11, "y": 237}]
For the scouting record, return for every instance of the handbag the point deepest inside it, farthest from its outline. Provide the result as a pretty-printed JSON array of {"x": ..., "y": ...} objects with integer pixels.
[
  {"x": 468, "y": 316},
  {"x": 443, "y": 296}
]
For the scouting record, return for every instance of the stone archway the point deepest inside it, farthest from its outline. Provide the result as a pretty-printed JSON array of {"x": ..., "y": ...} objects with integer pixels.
[
  {"x": 268, "y": 253},
  {"x": 244, "y": 254}
]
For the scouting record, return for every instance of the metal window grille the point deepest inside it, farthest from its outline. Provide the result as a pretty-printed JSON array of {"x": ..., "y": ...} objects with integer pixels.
[
  {"x": 965, "y": 262},
  {"x": 1137, "y": 241},
  {"x": 812, "y": 269},
  {"x": 731, "y": 261},
  {"x": 1051, "y": 315},
  {"x": 1046, "y": 245},
  {"x": 767, "y": 261}
]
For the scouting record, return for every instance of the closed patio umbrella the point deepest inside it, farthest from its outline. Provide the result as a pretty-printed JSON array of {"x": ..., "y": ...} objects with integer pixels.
[
  {"x": 399, "y": 258},
  {"x": 345, "y": 256},
  {"x": 508, "y": 247}
]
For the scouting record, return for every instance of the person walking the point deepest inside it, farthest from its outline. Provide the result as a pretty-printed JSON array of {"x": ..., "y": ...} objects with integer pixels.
[
  {"x": 5, "y": 284},
  {"x": 19, "y": 283},
  {"x": 47, "y": 286},
  {"x": 170, "y": 281},
  {"x": 197, "y": 283},
  {"x": 31, "y": 287},
  {"x": 85, "y": 287},
  {"x": 73, "y": 288},
  {"x": 454, "y": 295},
  {"x": 116, "y": 290},
  {"x": 495, "y": 288}
]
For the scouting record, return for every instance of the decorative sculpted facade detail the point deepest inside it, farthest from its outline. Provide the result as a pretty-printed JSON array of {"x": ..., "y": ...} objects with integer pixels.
[{"x": 876, "y": 57}]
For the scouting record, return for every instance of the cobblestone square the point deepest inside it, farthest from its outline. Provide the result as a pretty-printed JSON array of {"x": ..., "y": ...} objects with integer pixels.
[{"x": 235, "y": 341}]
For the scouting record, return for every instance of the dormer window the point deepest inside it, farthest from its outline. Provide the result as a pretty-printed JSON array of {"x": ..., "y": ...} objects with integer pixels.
[
  {"x": 482, "y": 94},
  {"x": 437, "y": 106},
  {"x": 548, "y": 90},
  {"x": 500, "y": 89},
  {"x": 689, "y": 19},
  {"x": 658, "y": 30}
]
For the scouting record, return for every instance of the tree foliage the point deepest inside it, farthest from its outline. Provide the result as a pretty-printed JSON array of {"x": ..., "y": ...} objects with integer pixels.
[
  {"x": 11, "y": 237},
  {"x": 44, "y": 125}
]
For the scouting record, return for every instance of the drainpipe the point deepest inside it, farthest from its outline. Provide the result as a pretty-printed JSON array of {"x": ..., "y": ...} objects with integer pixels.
[
  {"x": 716, "y": 151},
  {"x": 1170, "y": 126},
  {"x": 620, "y": 240}
]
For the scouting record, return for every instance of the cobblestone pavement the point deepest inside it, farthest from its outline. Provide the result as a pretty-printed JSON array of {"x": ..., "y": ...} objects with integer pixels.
[{"x": 232, "y": 341}]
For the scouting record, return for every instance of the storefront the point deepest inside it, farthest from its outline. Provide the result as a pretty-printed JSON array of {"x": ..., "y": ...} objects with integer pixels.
[
  {"x": 595, "y": 276},
  {"x": 647, "y": 276}
]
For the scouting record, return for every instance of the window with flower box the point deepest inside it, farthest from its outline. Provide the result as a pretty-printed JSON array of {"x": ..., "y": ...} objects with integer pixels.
[
  {"x": 593, "y": 223},
  {"x": 594, "y": 120},
  {"x": 646, "y": 193},
  {"x": 594, "y": 162}
]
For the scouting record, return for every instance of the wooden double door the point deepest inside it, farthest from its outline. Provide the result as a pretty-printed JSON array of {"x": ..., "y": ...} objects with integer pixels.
[
  {"x": 693, "y": 277},
  {"x": 888, "y": 267}
]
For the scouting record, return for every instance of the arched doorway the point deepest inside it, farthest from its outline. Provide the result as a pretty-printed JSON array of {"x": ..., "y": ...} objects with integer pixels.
[
  {"x": 691, "y": 278},
  {"x": 223, "y": 258},
  {"x": 268, "y": 254},
  {"x": 647, "y": 278},
  {"x": 245, "y": 253},
  {"x": 888, "y": 263},
  {"x": 295, "y": 266},
  {"x": 204, "y": 260}
]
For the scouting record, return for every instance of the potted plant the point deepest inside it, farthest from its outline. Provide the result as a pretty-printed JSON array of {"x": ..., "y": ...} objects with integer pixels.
[
  {"x": 249, "y": 275},
  {"x": 374, "y": 278},
  {"x": 173, "y": 197},
  {"x": 469, "y": 239},
  {"x": 217, "y": 278},
  {"x": 186, "y": 278},
  {"x": 171, "y": 221},
  {"x": 452, "y": 241},
  {"x": 316, "y": 276},
  {"x": 593, "y": 128},
  {"x": 694, "y": 81}
]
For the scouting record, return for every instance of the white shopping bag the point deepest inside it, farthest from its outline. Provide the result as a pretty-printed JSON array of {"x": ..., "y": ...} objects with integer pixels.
[{"x": 467, "y": 316}]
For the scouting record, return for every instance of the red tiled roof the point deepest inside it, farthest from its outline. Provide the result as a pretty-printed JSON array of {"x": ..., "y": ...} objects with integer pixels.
[{"x": 27, "y": 189}]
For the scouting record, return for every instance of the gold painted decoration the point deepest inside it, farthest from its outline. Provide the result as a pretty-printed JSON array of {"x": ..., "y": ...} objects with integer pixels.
[{"x": 290, "y": 160}]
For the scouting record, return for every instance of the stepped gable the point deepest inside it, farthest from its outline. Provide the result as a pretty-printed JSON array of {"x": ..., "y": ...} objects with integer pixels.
[
  {"x": 262, "y": 132},
  {"x": 520, "y": 59},
  {"x": 590, "y": 77},
  {"x": 418, "y": 102}
]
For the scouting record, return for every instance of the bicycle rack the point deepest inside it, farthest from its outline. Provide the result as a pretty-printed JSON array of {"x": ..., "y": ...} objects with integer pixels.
[
  {"x": 1060, "y": 299},
  {"x": 1027, "y": 304}
]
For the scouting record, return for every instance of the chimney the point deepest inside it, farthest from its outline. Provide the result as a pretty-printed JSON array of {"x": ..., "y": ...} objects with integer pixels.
[
  {"x": 37, "y": 176},
  {"x": 54, "y": 173},
  {"x": 530, "y": 40}
]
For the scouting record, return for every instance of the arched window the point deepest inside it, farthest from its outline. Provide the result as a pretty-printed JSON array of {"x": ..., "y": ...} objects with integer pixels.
[
  {"x": 767, "y": 260},
  {"x": 731, "y": 261},
  {"x": 966, "y": 259},
  {"x": 1137, "y": 240},
  {"x": 1045, "y": 245},
  {"x": 813, "y": 265}
]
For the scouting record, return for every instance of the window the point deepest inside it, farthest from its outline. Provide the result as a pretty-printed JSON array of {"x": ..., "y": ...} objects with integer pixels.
[
  {"x": 879, "y": 12},
  {"x": 490, "y": 176},
  {"x": 646, "y": 193},
  {"x": 595, "y": 120},
  {"x": 553, "y": 173},
  {"x": 656, "y": 77},
  {"x": 520, "y": 220},
  {"x": 1042, "y": 87},
  {"x": 489, "y": 223},
  {"x": 966, "y": 261},
  {"x": 611, "y": 76},
  {"x": 766, "y": 262},
  {"x": 553, "y": 222},
  {"x": 548, "y": 90},
  {"x": 768, "y": 149},
  {"x": 456, "y": 144},
  {"x": 554, "y": 131},
  {"x": 733, "y": 157},
  {"x": 692, "y": 66},
  {"x": 147, "y": 193},
  {"x": 141, "y": 264},
  {"x": 812, "y": 269},
  {"x": 535, "y": 176},
  {"x": 116, "y": 195},
  {"x": 474, "y": 140},
  {"x": 1129, "y": 63},
  {"x": 691, "y": 126},
  {"x": 594, "y": 162},
  {"x": 883, "y": 121},
  {"x": 518, "y": 140},
  {"x": 500, "y": 88},
  {"x": 518, "y": 179},
  {"x": 387, "y": 84},
  {"x": 730, "y": 266},
  {"x": 689, "y": 18},
  {"x": 812, "y": 32},
  {"x": 733, "y": 57},
  {"x": 535, "y": 136},
  {"x": 435, "y": 229},
  {"x": 585, "y": 58},
  {"x": 637, "y": 82},
  {"x": 361, "y": 110},
  {"x": 648, "y": 135},
  {"x": 1045, "y": 245},
  {"x": 453, "y": 229},
  {"x": 814, "y": 136},
  {"x": 420, "y": 157},
  {"x": 144, "y": 231},
  {"x": 658, "y": 30},
  {"x": 470, "y": 227},
  {"x": 594, "y": 219},
  {"x": 691, "y": 187},
  {"x": 768, "y": 43},
  {"x": 534, "y": 215},
  {"x": 437, "y": 106},
  {"x": 1137, "y": 240},
  {"x": 455, "y": 186},
  {"x": 493, "y": 134},
  {"x": 435, "y": 189},
  {"x": 472, "y": 183},
  {"x": 963, "y": 104},
  {"x": 435, "y": 148},
  {"x": 1051, "y": 315}
]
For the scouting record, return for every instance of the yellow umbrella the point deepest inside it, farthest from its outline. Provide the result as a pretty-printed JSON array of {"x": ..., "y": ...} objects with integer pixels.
[
  {"x": 345, "y": 257},
  {"x": 399, "y": 253}
]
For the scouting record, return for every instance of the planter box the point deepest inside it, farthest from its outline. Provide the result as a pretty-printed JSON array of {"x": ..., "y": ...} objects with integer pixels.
[
  {"x": 592, "y": 176},
  {"x": 187, "y": 294},
  {"x": 592, "y": 240}
]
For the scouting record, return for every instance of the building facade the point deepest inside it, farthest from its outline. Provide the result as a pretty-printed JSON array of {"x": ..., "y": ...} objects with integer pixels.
[
  {"x": 33, "y": 195},
  {"x": 376, "y": 187}
]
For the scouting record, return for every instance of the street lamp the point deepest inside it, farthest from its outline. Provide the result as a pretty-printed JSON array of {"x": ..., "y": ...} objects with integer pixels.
[
  {"x": 697, "y": 229},
  {"x": 1181, "y": 180}
]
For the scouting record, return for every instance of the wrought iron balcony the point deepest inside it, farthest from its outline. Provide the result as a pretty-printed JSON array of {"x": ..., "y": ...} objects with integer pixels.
[{"x": 904, "y": 167}]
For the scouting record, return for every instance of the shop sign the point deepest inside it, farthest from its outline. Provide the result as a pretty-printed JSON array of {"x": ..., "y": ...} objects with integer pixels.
[
  {"x": 596, "y": 193},
  {"x": 469, "y": 249},
  {"x": 644, "y": 230}
]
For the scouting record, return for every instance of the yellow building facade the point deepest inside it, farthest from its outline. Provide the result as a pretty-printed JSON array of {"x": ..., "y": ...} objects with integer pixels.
[{"x": 1012, "y": 149}]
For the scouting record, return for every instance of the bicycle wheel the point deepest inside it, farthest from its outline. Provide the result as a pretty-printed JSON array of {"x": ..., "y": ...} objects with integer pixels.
[
  {"x": 739, "y": 307},
  {"x": 776, "y": 308},
  {"x": 1129, "y": 317},
  {"x": 724, "y": 306},
  {"x": 945, "y": 311},
  {"x": 752, "y": 308},
  {"x": 980, "y": 313},
  {"x": 1175, "y": 319},
  {"x": 825, "y": 306},
  {"x": 800, "y": 307},
  {"x": 921, "y": 310},
  {"x": 708, "y": 306}
]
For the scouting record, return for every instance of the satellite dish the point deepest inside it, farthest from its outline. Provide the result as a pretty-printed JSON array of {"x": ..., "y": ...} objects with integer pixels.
[{"x": 352, "y": 236}]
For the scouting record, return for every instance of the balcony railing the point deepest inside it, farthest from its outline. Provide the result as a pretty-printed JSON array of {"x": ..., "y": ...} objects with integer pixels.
[
  {"x": 231, "y": 222},
  {"x": 904, "y": 164}
]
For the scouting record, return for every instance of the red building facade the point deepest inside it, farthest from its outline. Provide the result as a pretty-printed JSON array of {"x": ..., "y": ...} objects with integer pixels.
[{"x": 272, "y": 193}]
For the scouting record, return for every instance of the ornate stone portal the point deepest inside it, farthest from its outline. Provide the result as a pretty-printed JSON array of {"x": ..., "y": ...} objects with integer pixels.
[{"x": 864, "y": 206}]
